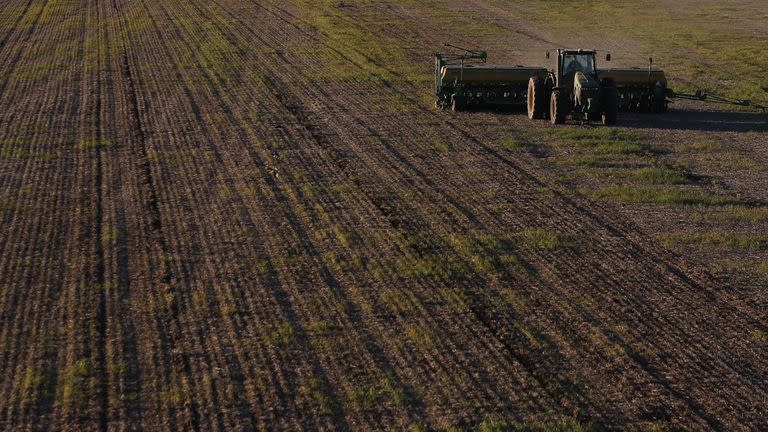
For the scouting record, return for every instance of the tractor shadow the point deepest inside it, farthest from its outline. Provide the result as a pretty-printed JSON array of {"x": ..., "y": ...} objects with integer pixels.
[{"x": 684, "y": 119}]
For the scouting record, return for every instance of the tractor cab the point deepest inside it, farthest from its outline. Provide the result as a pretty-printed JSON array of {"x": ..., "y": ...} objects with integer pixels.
[{"x": 570, "y": 62}]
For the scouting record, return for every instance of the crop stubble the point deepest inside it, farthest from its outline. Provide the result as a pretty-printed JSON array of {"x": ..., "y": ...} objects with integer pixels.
[{"x": 206, "y": 235}]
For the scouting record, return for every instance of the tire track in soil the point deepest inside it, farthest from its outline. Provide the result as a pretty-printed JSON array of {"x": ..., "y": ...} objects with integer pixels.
[
  {"x": 123, "y": 406},
  {"x": 154, "y": 224},
  {"x": 101, "y": 315},
  {"x": 150, "y": 223}
]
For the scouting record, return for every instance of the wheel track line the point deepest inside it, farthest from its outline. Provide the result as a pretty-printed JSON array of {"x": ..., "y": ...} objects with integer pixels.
[
  {"x": 101, "y": 315},
  {"x": 187, "y": 91},
  {"x": 153, "y": 227},
  {"x": 127, "y": 380}
]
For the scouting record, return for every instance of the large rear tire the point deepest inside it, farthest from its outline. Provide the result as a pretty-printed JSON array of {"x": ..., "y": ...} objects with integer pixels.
[
  {"x": 556, "y": 108},
  {"x": 537, "y": 98},
  {"x": 610, "y": 105}
]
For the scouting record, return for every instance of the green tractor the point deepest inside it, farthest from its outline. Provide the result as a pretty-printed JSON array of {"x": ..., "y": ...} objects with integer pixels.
[{"x": 573, "y": 88}]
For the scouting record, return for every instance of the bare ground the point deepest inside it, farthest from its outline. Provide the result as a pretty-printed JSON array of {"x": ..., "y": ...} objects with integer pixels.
[{"x": 246, "y": 215}]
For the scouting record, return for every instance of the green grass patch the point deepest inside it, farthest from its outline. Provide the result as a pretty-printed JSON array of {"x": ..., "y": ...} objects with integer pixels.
[
  {"x": 321, "y": 392},
  {"x": 19, "y": 149},
  {"x": 400, "y": 301},
  {"x": 602, "y": 141},
  {"x": 521, "y": 144},
  {"x": 544, "y": 239},
  {"x": 423, "y": 336},
  {"x": 6, "y": 207},
  {"x": 36, "y": 384},
  {"x": 493, "y": 424},
  {"x": 751, "y": 242},
  {"x": 368, "y": 54},
  {"x": 591, "y": 134},
  {"x": 432, "y": 265},
  {"x": 649, "y": 195},
  {"x": 734, "y": 213},
  {"x": 659, "y": 176},
  {"x": 363, "y": 398},
  {"x": 282, "y": 335},
  {"x": 704, "y": 146},
  {"x": 599, "y": 161},
  {"x": 72, "y": 382},
  {"x": 488, "y": 253}
]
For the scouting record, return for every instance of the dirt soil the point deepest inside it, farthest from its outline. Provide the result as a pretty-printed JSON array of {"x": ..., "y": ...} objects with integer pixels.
[{"x": 248, "y": 215}]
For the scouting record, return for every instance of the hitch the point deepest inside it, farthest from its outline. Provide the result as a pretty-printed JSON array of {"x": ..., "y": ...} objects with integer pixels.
[{"x": 703, "y": 96}]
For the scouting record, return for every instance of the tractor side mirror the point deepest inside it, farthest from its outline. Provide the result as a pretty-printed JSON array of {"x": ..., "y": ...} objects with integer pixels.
[
  {"x": 608, "y": 57},
  {"x": 547, "y": 54}
]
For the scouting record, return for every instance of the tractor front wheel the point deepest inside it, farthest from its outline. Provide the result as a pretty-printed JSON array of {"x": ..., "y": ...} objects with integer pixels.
[{"x": 556, "y": 108}]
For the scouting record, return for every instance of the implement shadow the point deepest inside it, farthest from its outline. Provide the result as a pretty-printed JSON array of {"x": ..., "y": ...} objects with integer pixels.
[{"x": 684, "y": 119}]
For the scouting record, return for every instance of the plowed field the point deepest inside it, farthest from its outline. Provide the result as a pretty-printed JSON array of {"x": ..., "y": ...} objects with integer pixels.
[{"x": 248, "y": 215}]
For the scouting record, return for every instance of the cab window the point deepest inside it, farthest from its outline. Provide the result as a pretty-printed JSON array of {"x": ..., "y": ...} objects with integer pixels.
[{"x": 573, "y": 63}]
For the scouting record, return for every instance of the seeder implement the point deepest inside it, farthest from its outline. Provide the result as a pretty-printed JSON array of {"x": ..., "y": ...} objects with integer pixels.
[
  {"x": 464, "y": 80},
  {"x": 645, "y": 90}
]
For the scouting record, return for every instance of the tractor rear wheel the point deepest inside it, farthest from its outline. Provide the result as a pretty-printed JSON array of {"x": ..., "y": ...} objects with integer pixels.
[
  {"x": 557, "y": 109},
  {"x": 610, "y": 105},
  {"x": 536, "y": 98}
]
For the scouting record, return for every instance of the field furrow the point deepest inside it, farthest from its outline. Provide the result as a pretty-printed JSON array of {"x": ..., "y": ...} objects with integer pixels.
[{"x": 248, "y": 215}]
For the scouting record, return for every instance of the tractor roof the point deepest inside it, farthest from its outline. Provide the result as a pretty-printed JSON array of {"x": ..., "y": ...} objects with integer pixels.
[{"x": 577, "y": 51}]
